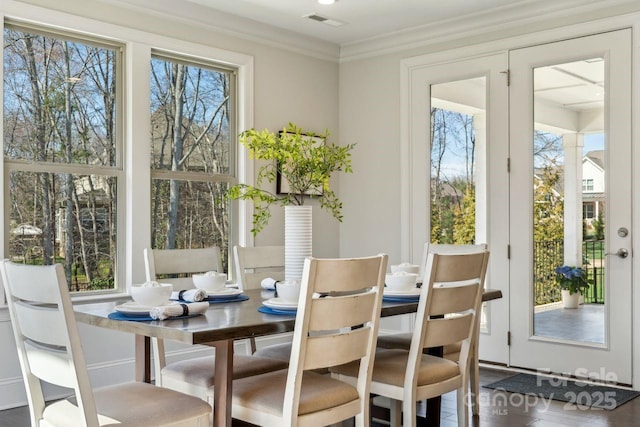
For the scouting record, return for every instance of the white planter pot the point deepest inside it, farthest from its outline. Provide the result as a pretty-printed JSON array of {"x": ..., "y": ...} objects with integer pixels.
[
  {"x": 297, "y": 240},
  {"x": 570, "y": 300}
]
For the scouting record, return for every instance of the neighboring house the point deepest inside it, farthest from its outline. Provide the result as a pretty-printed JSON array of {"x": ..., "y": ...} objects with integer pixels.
[{"x": 593, "y": 186}]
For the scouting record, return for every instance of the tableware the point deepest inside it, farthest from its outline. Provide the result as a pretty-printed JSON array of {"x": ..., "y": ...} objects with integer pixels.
[
  {"x": 210, "y": 281},
  {"x": 132, "y": 308},
  {"x": 408, "y": 294},
  {"x": 224, "y": 293},
  {"x": 280, "y": 304},
  {"x": 269, "y": 310},
  {"x": 289, "y": 290},
  {"x": 401, "y": 281},
  {"x": 151, "y": 293},
  {"x": 406, "y": 267}
]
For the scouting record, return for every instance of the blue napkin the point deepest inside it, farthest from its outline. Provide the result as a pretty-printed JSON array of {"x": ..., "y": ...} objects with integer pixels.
[
  {"x": 269, "y": 310},
  {"x": 399, "y": 299},
  {"x": 116, "y": 315},
  {"x": 232, "y": 298}
]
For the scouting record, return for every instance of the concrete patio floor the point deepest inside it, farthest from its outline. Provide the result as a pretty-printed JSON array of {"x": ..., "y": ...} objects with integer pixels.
[{"x": 585, "y": 324}]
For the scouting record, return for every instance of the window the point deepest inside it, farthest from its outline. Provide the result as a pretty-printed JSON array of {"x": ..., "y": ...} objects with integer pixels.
[
  {"x": 587, "y": 185},
  {"x": 192, "y": 154},
  {"x": 62, "y": 127},
  {"x": 588, "y": 211}
]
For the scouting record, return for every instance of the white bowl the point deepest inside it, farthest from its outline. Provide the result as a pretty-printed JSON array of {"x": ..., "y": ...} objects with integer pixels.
[
  {"x": 406, "y": 267},
  {"x": 210, "y": 281},
  {"x": 289, "y": 290},
  {"x": 401, "y": 281},
  {"x": 151, "y": 294}
]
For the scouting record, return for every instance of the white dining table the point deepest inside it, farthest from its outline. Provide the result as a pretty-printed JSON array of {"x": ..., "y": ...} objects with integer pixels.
[{"x": 218, "y": 327}]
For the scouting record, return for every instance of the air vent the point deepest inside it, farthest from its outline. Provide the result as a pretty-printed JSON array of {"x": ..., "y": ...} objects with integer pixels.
[{"x": 325, "y": 20}]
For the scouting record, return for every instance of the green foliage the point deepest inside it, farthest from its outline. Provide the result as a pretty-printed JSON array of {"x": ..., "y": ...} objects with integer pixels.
[
  {"x": 464, "y": 231},
  {"x": 298, "y": 157},
  {"x": 573, "y": 279},
  {"x": 598, "y": 226}
]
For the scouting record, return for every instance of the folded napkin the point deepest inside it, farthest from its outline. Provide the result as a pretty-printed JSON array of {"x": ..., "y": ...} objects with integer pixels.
[
  {"x": 269, "y": 284},
  {"x": 189, "y": 295},
  {"x": 175, "y": 310}
]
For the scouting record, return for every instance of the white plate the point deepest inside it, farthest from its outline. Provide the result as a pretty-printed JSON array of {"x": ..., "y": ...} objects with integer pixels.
[
  {"x": 225, "y": 293},
  {"x": 132, "y": 308},
  {"x": 280, "y": 304},
  {"x": 411, "y": 293}
]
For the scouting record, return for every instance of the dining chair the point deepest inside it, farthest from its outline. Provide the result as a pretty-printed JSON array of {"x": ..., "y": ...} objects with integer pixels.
[
  {"x": 252, "y": 265},
  {"x": 450, "y": 300},
  {"x": 50, "y": 350},
  {"x": 451, "y": 351},
  {"x": 336, "y": 323},
  {"x": 194, "y": 376}
]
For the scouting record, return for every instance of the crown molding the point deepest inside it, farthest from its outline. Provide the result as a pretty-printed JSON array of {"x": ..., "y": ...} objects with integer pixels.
[
  {"x": 516, "y": 19},
  {"x": 196, "y": 15}
]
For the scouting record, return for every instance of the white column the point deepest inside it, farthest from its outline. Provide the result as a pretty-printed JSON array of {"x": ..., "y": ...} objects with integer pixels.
[
  {"x": 480, "y": 127},
  {"x": 573, "y": 144}
]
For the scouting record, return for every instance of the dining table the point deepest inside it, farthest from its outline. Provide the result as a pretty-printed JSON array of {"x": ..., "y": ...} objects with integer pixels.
[{"x": 222, "y": 324}]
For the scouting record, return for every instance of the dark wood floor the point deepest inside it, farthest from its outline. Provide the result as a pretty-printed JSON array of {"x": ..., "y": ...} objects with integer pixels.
[{"x": 497, "y": 409}]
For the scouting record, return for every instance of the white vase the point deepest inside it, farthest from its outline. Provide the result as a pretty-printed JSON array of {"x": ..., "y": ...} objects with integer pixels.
[
  {"x": 570, "y": 300},
  {"x": 297, "y": 240}
]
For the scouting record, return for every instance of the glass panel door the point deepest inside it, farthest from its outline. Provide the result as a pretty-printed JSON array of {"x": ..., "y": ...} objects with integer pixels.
[{"x": 570, "y": 157}]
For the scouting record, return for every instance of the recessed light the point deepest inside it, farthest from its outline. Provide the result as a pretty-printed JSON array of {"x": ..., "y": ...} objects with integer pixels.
[{"x": 327, "y": 1}]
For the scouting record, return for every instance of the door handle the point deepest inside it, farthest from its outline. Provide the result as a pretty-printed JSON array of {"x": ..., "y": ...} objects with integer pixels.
[{"x": 622, "y": 253}]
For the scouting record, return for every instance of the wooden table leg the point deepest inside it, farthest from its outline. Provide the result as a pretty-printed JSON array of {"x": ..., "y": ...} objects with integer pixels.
[
  {"x": 223, "y": 377},
  {"x": 142, "y": 356}
]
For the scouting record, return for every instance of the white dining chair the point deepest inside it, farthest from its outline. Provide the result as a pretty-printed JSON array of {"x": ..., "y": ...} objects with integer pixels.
[
  {"x": 336, "y": 323},
  {"x": 450, "y": 300},
  {"x": 252, "y": 265},
  {"x": 194, "y": 376},
  {"x": 50, "y": 350},
  {"x": 451, "y": 351}
]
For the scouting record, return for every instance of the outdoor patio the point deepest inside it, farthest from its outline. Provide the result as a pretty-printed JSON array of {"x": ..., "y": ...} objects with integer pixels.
[{"x": 584, "y": 324}]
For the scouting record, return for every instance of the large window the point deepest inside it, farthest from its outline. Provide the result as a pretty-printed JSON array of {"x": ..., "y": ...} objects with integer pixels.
[
  {"x": 192, "y": 154},
  {"x": 62, "y": 128}
]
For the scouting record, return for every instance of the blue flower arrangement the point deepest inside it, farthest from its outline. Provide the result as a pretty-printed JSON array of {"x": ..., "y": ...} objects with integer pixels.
[{"x": 572, "y": 278}]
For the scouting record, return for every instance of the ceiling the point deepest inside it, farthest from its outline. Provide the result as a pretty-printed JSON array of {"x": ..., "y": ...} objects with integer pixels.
[{"x": 350, "y": 21}]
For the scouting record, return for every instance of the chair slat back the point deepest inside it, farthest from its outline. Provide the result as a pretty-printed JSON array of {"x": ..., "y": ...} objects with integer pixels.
[
  {"x": 159, "y": 262},
  {"x": 450, "y": 300},
  {"x": 442, "y": 248},
  {"x": 337, "y": 321},
  {"x": 46, "y": 335},
  {"x": 441, "y": 332},
  {"x": 253, "y": 264}
]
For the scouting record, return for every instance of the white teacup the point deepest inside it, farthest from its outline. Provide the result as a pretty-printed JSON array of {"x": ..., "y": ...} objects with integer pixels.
[
  {"x": 401, "y": 281},
  {"x": 289, "y": 290},
  {"x": 406, "y": 267},
  {"x": 211, "y": 281}
]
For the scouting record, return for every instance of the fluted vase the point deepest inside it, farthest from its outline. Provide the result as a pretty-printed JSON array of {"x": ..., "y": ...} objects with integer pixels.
[{"x": 297, "y": 240}]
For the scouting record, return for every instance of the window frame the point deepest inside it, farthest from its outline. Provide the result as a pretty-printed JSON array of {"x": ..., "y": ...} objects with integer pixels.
[
  {"x": 135, "y": 156},
  {"x": 116, "y": 170}
]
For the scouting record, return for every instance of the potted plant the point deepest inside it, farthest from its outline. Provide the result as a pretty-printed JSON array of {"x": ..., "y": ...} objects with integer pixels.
[
  {"x": 305, "y": 162},
  {"x": 572, "y": 281}
]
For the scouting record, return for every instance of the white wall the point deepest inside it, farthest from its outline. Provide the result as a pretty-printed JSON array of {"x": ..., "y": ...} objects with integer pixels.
[{"x": 288, "y": 86}]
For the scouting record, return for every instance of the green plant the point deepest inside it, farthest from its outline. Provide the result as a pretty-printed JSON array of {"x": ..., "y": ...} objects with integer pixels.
[
  {"x": 300, "y": 160},
  {"x": 573, "y": 279}
]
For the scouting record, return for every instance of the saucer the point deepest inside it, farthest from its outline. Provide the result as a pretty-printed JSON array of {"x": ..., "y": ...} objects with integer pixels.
[
  {"x": 224, "y": 293},
  {"x": 411, "y": 293},
  {"x": 280, "y": 304}
]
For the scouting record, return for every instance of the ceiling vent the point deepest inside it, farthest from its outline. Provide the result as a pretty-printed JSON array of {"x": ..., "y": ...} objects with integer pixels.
[{"x": 324, "y": 20}]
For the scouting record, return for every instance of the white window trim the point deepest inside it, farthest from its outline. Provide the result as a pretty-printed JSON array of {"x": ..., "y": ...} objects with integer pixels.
[{"x": 134, "y": 204}]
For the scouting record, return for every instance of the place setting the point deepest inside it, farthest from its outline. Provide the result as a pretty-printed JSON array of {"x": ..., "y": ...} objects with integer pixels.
[
  {"x": 401, "y": 284},
  {"x": 285, "y": 301},
  {"x": 213, "y": 288},
  {"x": 152, "y": 301}
]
